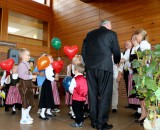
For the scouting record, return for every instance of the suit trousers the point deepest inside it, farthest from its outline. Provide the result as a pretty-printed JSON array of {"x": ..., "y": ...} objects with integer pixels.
[{"x": 100, "y": 86}]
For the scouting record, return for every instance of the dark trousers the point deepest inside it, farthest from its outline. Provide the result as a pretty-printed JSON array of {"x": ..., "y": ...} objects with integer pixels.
[
  {"x": 125, "y": 75},
  {"x": 100, "y": 84},
  {"x": 78, "y": 110}
]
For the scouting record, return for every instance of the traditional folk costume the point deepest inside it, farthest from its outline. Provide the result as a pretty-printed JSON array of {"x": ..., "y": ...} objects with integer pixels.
[
  {"x": 55, "y": 93},
  {"x": 131, "y": 85},
  {"x": 144, "y": 45},
  {"x": 26, "y": 91},
  {"x": 13, "y": 96},
  {"x": 46, "y": 97},
  {"x": 79, "y": 90},
  {"x": 40, "y": 79},
  {"x": 126, "y": 68},
  {"x": 5, "y": 87}
]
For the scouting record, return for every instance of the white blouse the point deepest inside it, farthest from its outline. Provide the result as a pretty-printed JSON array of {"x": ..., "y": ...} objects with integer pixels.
[{"x": 49, "y": 73}]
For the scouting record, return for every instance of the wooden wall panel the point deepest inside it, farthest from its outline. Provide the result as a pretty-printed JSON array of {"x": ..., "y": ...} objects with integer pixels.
[
  {"x": 73, "y": 19},
  {"x": 30, "y": 8},
  {"x": 34, "y": 49},
  {"x": 33, "y": 9},
  {"x": 4, "y": 24},
  {"x": 2, "y": 3}
]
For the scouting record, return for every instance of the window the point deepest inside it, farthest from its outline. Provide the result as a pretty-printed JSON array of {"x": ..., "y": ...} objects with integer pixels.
[
  {"x": 26, "y": 26},
  {"x": 40, "y": 1},
  {"x": 45, "y": 2}
]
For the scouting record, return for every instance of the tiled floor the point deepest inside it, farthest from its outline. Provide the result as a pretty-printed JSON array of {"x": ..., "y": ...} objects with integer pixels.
[{"x": 121, "y": 120}]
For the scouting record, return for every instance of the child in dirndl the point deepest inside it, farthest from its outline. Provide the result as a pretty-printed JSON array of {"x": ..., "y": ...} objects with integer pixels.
[{"x": 13, "y": 96}]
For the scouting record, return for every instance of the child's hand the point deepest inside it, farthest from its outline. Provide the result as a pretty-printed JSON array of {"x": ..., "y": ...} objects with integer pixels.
[
  {"x": 17, "y": 84},
  {"x": 119, "y": 77},
  {"x": 41, "y": 73},
  {"x": 8, "y": 79},
  {"x": 1, "y": 87},
  {"x": 56, "y": 77}
]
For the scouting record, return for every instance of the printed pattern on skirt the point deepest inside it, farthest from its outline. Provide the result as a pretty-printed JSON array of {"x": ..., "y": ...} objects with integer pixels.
[
  {"x": 134, "y": 101},
  {"x": 55, "y": 93},
  {"x": 13, "y": 96}
]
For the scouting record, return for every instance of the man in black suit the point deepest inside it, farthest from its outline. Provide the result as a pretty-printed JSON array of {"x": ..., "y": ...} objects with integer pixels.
[{"x": 97, "y": 50}]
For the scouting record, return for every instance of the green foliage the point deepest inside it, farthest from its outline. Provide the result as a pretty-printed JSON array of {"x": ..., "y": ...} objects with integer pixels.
[{"x": 148, "y": 74}]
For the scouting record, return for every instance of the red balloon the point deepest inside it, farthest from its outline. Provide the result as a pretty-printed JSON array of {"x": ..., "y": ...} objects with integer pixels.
[
  {"x": 70, "y": 51},
  {"x": 58, "y": 66},
  {"x": 43, "y": 62},
  {"x": 7, "y": 64}
]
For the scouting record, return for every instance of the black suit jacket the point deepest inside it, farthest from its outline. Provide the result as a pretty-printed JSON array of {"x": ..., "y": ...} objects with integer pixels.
[{"x": 98, "y": 48}]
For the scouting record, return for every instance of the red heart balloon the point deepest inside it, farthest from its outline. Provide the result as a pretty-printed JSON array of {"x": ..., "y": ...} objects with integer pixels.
[
  {"x": 58, "y": 66},
  {"x": 7, "y": 64},
  {"x": 70, "y": 51},
  {"x": 43, "y": 62}
]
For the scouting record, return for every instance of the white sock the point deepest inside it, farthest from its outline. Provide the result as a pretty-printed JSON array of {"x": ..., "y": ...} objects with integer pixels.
[
  {"x": 49, "y": 111},
  {"x": 39, "y": 111},
  {"x": 71, "y": 111},
  {"x": 70, "y": 108},
  {"x": 42, "y": 114},
  {"x": 23, "y": 116},
  {"x": 24, "y": 119},
  {"x": 27, "y": 113},
  {"x": 139, "y": 110},
  {"x": 13, "y": 108}
]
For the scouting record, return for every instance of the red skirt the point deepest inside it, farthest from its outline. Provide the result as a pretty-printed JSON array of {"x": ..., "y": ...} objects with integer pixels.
[{"x": 13, "y": 96}]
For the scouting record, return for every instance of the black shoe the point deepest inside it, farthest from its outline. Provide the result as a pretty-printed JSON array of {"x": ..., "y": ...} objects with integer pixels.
[
  {"x": 107, "y": 126},
  {"x": 43, "y": 118},
  {"x": 129, "y": 106},
  {"x": 94, "y": 125},
  {"x": 140, "y": 121},
  {"x": 136, "y": 115},
  {"x": 13, "y": 112},
  {"x": 48, "y": 115},
  {"x": 100, "y": 128},
  {"x": 73, "y": 117},
  {"x": 114, "y": 110},
  {"x": 6, "y": 109},
  {"x": 85, "y": 117}
]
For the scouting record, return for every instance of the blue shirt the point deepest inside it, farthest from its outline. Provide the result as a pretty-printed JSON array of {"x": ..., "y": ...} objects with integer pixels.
[{"x": 40, "y": 79}]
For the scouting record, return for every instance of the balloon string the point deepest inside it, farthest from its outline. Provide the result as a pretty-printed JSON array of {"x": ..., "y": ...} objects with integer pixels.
[{"x": 58, "y": 53}]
